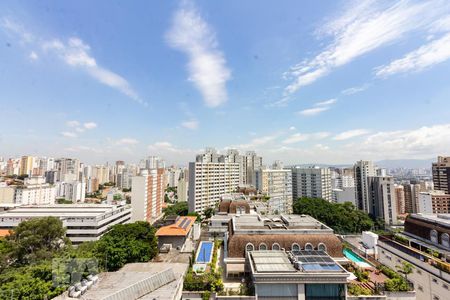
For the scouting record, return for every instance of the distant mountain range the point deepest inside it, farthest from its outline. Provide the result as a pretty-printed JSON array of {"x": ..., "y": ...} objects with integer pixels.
[{"x": 406, "y": 163}]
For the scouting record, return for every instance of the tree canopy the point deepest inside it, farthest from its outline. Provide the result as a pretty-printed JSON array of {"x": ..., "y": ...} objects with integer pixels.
[
  {"x": 342, "y": 217},
  {"x": 179, "y": 209},
  {"x": 26, "y": 254}
]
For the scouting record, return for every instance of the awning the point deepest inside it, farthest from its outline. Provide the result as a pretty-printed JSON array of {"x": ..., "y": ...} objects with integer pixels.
[{"x": 235, "y": 268}]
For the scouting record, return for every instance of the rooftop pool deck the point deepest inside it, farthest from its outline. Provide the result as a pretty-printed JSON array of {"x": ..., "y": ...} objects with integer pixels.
[
  {"x": 204, "y": 252},
  {"x": 356, "y": 258}
]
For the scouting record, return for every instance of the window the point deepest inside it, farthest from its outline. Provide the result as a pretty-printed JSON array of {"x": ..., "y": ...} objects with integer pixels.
[
  {"x": 435, "y": 280},
  {"x": 434, "y": 236},
  {"x": 445, "y": 240},
  {"x": 262, "y": 246},
  {"x": 435, "y": 297},
  {"x": 322, "y": 247},
  {"x": 276, "y": 246},
  {"x": 249, "y": 247},
  {"x": 295, "y": 247},
  {"x": 309, "y": 247},
  {"x": 445, "y": 286}
]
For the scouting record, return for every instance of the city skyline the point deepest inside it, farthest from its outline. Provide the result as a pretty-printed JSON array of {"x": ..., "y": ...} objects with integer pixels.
[{"x": 300, "y": 82}]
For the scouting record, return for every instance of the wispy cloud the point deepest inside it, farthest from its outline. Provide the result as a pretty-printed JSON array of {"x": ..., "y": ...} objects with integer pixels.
[
  {"x": 363, "y": 27},
  {"x": 301, "y": 137},
  {"x": 326, "y": 102},
  {"x": 127, "y": 141},
  {"x": 74, "y": 52},
  {"x": 350, "y": 134},
  {"x": 355, "y": 89},
  {"x": 313, "y": 111},
  {"x": 191, "y": 34},
  {"x": 73, "y": 123},
  {"x": 318, "y": 108},
  {"x": 190, "y": 124},
  {"x": 420, "y": 59},
  {"x": 90, "y": 125},
  {"x": 69, "y": 134}
]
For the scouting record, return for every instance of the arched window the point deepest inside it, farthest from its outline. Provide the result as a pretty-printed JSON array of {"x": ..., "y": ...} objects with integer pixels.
[
  {"x": 322, "y": 247},
  {"x": 445, "y": 240},
  {"x": 249, "y": 247},
  {"x": 276, "y": 246},
  {"x": 295, "y": 247},
  {"x": 309, "y": 247},
  {"x": 262, "y": 246},
  {"x": 434, "y": 236}
]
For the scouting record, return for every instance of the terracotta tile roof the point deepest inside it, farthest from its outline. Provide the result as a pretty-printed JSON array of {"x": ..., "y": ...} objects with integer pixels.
[
  {"x": 4, "y": 232},
  {"x": 180, "y": 228}
]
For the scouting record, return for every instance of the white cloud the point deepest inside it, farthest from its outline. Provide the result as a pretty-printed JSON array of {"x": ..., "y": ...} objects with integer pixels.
[
  {"x": 326, "y": 102},
  {"x": 82, "y": 148},
  {"x": 350, "y": 134},
  {"x": 33, "y": 56},
  {"x": 127, "y": 141},
  {"x": 190, "y": 124},
  {"x": 295, "y": 138},
  {"x": 69, "y": 134},
  {"x": 355, "y": 89},
  {"x": 313, "y": 111},
  {"x": 363, "y": 27},
  {"x": 292, "y": 128},
  {"x": 90, "y": 125},
  {"x": 73, "y": 123},
  {"x": 435, "y": 52},
  {"x": 301, "y": 137},
  {"x": 420, "y": 143},
  {"x": 76, "y": 53},
  {"x": 12, "y": 27},
  {"x": 207, "y": 65}
]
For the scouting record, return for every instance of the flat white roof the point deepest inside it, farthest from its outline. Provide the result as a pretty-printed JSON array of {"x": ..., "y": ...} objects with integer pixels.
[{"x": 67, "y": 210}]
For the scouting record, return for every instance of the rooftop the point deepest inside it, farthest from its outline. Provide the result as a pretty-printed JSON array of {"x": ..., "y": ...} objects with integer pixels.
[
  {"x": 181, "y": 227},
  {"x": 443, "y": 219},
  {"x": 279, "y": 223},
  {"x": 299, "y": 262},
  {"x": 61, "y": 211}
]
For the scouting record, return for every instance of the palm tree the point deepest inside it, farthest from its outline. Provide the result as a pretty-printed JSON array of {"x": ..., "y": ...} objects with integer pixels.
[{"x": 406, "y": 268}]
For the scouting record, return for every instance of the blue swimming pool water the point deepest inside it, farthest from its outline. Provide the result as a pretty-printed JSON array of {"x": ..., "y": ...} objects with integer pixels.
[
  {"x": 204, "y": 254},
  {"x": 355, "y": 258}
]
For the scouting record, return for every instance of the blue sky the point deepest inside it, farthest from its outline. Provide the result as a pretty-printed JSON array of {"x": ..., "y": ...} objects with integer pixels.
[{"x": 299, "y": 81}]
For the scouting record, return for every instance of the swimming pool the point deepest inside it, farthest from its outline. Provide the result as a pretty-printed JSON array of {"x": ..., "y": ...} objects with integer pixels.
[
  {"x": 356, "y": 259},
  {"x": 204, "y": 253}
]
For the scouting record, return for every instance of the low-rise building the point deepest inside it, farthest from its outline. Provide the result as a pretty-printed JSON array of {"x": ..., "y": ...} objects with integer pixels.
[
  {"x": 297, "y": 275},
  {"x": 84, "y": 222},
  {"x": 177, "y": 233},
  {"x": 289, "y": 232}
]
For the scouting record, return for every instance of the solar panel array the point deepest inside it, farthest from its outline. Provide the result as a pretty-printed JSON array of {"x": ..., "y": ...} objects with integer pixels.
[
  {"x": 316, "y": 261},
  {"x": 271, "y": 261},
  {"x": 185, "y": 223}
]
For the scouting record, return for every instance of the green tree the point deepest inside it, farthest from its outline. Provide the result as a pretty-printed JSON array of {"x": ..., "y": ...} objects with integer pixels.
[
  {"x": 342, "y": 217},
  {"x": 37, "y": 239},
  {"x": 178, "y": 209},
  {"x": 126, "y": 243},
  {"x": 405, "y": 268},
  {"x": 209, "y": 212}
]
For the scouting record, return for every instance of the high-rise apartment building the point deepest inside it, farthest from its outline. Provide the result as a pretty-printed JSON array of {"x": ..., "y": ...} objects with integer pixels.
[
  {"x": 252, "y": 162},
  {"x": 208, "y": 181},
  {"x": 400, "y": 197},
  {"x": 441, "y": 174},
  {"x": 411, "y": 192},
  {"x": 362, "y": 170},
  {"x": 147, "y": 195},
  {"x": 26, "y": 165},
  {"x": 381, "y": 195},
  {"x": 434, "y": 202},
  {"x": 67, "y": 166},
  {"x": 311, "y": 182},
  {"x": 277, "y": 185}
]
